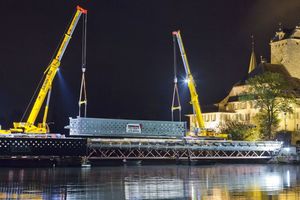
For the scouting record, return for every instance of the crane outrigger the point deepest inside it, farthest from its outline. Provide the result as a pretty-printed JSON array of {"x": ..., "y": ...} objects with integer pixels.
[{"x": 29, "y": 126}]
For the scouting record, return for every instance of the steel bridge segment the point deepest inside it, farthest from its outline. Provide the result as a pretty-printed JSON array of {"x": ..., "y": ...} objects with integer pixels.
[
  {"x": 29, "y": 146},
  {"x": 118, "y": 149},
  {"x": 180, "y": 144},
  {"x": 192, "y": 148},
  {"x": 99, "y": 127},
  {"x": 136, "y": 154}
]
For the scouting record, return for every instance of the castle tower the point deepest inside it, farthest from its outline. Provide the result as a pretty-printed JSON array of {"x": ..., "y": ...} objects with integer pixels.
[{"x": 285, "y": 50}]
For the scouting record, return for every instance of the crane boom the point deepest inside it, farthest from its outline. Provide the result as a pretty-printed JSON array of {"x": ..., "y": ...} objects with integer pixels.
[
  {"x": 29, "y": 125},
  {"x": 52, "y": 68},
  {"x": 191, "y": 83},
  {"x": 200, "y": 129}
]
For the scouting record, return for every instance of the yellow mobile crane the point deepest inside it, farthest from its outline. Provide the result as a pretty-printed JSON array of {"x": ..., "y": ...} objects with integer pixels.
[
  {"x": 200, "y": 128},
  {"x": 29, "y": 126}
]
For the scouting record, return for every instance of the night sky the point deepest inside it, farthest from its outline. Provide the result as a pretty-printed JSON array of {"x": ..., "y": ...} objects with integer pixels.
[{"x": 130, "y": 53}]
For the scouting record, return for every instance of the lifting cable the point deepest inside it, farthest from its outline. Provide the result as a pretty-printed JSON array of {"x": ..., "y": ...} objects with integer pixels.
[
  {"x": 32, "y": 97},
  {"x": 82, "y": 95},
  {"x": 175, "y": 91}
]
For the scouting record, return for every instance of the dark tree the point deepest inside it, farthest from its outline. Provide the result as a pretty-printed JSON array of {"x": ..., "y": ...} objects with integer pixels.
[{"x": 271, "y": 93}]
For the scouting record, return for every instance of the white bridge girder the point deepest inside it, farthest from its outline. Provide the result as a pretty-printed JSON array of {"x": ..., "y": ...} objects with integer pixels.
[
  {"x": 176, "y": 155},
  {"x": 180, "y": 150}
]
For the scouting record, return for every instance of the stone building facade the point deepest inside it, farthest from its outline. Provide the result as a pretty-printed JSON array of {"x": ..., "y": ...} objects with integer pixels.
[{"x": 285, "y": 49}]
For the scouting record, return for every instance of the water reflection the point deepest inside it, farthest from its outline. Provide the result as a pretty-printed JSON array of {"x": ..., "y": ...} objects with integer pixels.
[{"x": 153, "y": 182}]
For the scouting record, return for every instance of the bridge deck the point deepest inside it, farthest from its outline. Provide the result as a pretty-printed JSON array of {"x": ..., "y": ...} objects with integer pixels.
[
  {"x": 176, "y": 149},
  {"x": 136, "y": 149}
]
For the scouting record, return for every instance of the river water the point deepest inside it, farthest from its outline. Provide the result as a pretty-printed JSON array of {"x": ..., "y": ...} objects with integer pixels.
[{"x": 220, "y": 181}]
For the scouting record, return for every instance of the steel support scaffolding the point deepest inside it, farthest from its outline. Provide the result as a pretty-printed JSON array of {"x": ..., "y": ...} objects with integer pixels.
[{"x": 180, "y": 150}]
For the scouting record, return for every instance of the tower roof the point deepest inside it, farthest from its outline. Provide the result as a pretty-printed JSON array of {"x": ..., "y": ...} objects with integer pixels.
[
  {"x": 233, "y": 96},
  {"x": 252, "y": 63},
  {"x": 287, "y": 33},
  {"x": 262, "y": 68}
]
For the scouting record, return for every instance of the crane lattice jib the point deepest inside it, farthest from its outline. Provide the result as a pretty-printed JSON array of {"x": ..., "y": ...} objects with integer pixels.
[
  {"x": 191, "y": 82},
  {"x": 52, "y": 69}
]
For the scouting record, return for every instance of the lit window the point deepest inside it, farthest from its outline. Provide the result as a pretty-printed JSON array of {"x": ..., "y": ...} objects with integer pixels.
[{"x": 213, "y": 117}]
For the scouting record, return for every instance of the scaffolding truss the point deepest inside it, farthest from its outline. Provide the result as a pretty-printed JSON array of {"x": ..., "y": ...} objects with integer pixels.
[{"x": 180, "y": 150}]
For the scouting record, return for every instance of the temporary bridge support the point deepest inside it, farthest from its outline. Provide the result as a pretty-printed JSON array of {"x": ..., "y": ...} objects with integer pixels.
[{"x": 149, "y": 149}]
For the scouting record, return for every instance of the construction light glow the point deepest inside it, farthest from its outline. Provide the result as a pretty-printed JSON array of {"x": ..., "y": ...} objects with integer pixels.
[{"x": 186, "y": 80}]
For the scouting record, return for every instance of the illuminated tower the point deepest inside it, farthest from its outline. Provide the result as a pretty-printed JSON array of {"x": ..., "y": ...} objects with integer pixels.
[{"x": 285, "y": 50}]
